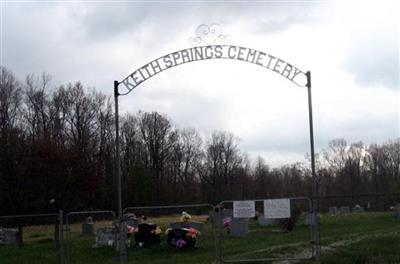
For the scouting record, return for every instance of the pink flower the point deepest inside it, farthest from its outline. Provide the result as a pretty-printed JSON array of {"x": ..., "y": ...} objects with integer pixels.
[{"x": 180, "y": 243}]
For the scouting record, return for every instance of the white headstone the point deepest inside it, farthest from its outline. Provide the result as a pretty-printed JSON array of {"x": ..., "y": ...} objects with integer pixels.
[
  {"x": 358, "y": 209},
  {"x": 244, "y": 209},
  {"x": 239, "y": 227},
  {"x": 277, "y": 208},
  {"x": 344, "y": 210},
  {"x": 105, "y": 237}
]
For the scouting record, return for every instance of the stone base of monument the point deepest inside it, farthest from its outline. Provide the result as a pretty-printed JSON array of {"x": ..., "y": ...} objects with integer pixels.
[{"x": 180, "y": 239}]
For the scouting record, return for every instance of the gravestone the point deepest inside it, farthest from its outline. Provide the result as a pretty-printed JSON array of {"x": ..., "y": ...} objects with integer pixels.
[
  {"x": 344, "y": 210},
  {"x": 397, "y": 211},
  {"x": 196, "y": 225},
  {"x": 105, "y": 237},
  {"x": 239, "y": 227},
  {"x": 358, "y": 209},
  {"x": 262, "y": 221},
  {"x": 214, "y": 215},
  {"x": 333, "y": 210},
  {"x": 88, "y": 227},
  {"x": 226, "y": 213},
  {"x": 9, "y": 236},
  {"x": 133, "y": 222}
]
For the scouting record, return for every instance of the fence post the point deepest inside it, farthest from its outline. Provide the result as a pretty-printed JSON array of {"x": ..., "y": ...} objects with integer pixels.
[
  {"x": 121, "y": 242},
  {"x": 61, "y": 237}
]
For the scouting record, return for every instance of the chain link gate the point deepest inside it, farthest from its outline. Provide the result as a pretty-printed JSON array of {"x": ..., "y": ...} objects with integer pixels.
[
  {"x": 179, "y": 227},
  {"x": 36, "y": 235},
  {"x": 90, "y": 237},
  {"x": 262, "y": 239}
]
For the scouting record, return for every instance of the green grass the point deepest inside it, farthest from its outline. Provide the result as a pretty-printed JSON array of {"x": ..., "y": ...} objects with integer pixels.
[{"x": 353, "y": 238}]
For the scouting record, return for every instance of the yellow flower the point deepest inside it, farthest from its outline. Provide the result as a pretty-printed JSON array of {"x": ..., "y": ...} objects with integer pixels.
[
  {"x": 158, "y": 230},
  {"x": 185, "y": 217}
]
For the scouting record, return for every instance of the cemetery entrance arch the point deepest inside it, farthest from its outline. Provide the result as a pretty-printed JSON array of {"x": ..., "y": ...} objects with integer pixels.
[{"x": 211, "y": 52}]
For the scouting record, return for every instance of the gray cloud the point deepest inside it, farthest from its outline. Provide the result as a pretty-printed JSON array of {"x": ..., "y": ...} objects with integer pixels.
[
  {"x": 374, "y": 58},
  {"x": 109, "y": 19},
  {"x": 93, "y": 43}
]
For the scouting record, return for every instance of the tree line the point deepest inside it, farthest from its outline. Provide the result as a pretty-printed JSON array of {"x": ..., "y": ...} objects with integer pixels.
[{"x": 57, "y": 151}]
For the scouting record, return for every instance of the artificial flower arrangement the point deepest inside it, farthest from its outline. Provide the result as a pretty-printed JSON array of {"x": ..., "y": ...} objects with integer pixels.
[
  {"x": 227, "y": 224},
  {"x": 182, "y": 238}
]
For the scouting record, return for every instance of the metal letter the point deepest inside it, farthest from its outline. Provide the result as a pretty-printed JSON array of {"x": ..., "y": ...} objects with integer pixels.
[
  {"x": 185, "y": 56},
  {"x": 127, "y": 84},
  {"x": 287, "y": 70},
  {"x": 155, "y": 66},
  {"x": 270, "y": 60},
  {"x": 175, "y": 57},
  {"x": 259, "y": 58},
  {"x": 295, "y": 73},
  {"x": 241, "y": 53},
  {"x": 218, "y": 51},
  {"x": 251, "y": 53},
  {"x": 209, "y": 55},
  {"x": 167, "y": 61},
  {"x": 229, "y": 52},
  {"x": 278, "y": 66}
]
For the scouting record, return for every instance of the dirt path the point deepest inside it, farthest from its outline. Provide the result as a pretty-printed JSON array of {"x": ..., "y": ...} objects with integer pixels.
[{"x": 354, "y": 238}]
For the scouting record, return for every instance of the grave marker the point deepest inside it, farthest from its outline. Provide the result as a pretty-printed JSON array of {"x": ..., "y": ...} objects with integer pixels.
[
  {"x": 244, "y": 209},
  {"x": 333, "y": 210},
  {"x": 277, "y": 208},
  {"x": 88, "y": 227}
]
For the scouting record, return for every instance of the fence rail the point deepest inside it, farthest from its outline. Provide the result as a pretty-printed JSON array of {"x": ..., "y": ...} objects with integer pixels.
[{"x": 72, "y": 238}]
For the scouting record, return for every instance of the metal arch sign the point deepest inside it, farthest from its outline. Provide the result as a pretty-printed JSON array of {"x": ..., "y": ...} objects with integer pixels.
[{"x": 209, "y": 52}]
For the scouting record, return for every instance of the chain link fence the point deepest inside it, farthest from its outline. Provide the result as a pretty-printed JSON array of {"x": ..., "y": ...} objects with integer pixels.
[
  {"x": 90, "y": 237},
  {"x": 184, "y": 233},
  {"x": 199, "y": 233},
  {"x": 357, "y": 221},
  {"x": 30, "y": 239},
  {"x": 264, "y": 237}
]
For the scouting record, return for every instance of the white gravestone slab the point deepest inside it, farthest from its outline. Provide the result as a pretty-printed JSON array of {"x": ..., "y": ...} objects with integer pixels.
[
  {"x": 244, "y": 209},
  {"x": 105, "y": 237},
  {"x": 277, "y": 208},
  {"x": 239, "y": 227}
]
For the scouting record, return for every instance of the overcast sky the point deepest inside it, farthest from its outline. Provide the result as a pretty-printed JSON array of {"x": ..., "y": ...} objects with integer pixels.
[{"x": 351, "y": 49}]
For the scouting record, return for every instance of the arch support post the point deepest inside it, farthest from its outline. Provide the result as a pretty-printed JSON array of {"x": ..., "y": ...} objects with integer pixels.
[
  {"x": 120, "y": 226},
  {"x": 315, "y": 181}
]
